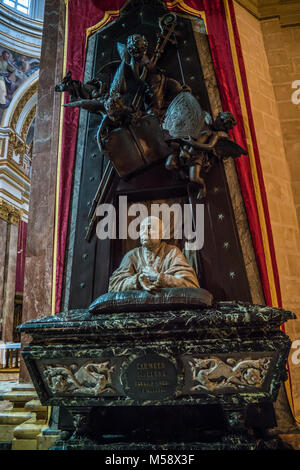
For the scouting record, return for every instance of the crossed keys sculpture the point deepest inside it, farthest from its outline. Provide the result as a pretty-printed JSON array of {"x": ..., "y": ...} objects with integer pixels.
[{"x": 150, "y": 116}]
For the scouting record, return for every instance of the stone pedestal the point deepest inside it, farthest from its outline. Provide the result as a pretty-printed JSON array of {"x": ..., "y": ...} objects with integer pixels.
[{"x": 197, "y": 379}]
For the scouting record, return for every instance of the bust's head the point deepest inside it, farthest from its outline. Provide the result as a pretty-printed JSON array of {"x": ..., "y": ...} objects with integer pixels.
[
  {"x": 224, "y": 121},
  {"x": 151, "y": 232}
]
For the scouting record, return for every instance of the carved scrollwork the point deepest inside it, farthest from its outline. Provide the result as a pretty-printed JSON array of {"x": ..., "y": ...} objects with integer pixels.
[
  {"x": 9, "y": 212},
  {"x": 28, "y": 121},
  {"x": 21, "y": 104},
  {"x": 214, "y": 374},
  {"x": 89, "y": 379}
]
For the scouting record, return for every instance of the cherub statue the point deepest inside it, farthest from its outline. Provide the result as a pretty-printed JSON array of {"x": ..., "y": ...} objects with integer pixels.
[{"x": 196, "y": 139}]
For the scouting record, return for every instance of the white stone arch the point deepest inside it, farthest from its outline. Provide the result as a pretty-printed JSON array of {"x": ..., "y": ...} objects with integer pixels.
[
  {"x": 21, "y": 91},
  {"x": 25, "y": 111}
]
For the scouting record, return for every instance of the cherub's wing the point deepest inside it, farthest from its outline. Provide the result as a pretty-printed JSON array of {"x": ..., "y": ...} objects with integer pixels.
[
  {"x": 117, "y": 81},
  {"x": 225, "y": 147},
  {"x": 123, "y": 53},
  {"x": 93, "y": 106}
]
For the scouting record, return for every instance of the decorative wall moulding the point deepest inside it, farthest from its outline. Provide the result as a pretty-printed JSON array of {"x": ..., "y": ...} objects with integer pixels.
[
  {"x": 288, "y": 11},
  {"x": 251, "y": 6},
  {"x": 9, "y": 213},
  {"x": 28, "y": 121},
  {"x": 14, "y": 167},
  {"x": 21, "y": 104},
  {"x": 13, "y": 147},
  {"x": 19, "y": 33}
]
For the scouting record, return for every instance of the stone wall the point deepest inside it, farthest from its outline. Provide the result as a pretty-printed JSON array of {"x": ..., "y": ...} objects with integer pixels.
[
  {"x": 272, "y": 60},
  {"x": 283, "y": 53}
]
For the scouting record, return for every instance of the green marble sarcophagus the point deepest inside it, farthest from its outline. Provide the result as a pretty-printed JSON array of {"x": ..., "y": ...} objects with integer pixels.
[{"x": 202, "y": 378}]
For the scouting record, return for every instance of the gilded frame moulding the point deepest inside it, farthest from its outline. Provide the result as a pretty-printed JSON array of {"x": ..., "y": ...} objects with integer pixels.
[
  {"x": 28, "y": 120},
  {"x": 21, "y": 104},
  {"x": 17, "y": 143},
  {"x": 10, "y": 213},
  {"x": 17, "y": 146},
  {"x": 2, "y": 147}
]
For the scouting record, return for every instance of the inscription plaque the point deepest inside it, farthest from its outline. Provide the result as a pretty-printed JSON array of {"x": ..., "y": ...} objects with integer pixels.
[{"x": 150, "y": 377}]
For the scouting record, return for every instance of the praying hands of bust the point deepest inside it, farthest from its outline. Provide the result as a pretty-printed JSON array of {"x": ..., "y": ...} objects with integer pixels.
[
  {"x": 150, "y": 280},
  {"x": 154, "y": 265}
]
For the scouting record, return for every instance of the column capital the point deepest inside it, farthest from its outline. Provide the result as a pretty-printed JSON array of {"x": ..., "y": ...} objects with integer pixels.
[{"x": 9, "y": 213}]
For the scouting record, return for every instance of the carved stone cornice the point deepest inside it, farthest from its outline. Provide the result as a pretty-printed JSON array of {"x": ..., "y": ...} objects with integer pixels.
[
  {"x": 250, "y": 5},
  {"x": 288, "y": 11},
  {"x": 17, "y": 146},
  {"x": 9, "y": 213}
]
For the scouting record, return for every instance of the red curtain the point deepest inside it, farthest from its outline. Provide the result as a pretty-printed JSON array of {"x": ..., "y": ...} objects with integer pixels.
[
  {"x": 83, "y": 15},
  {"x": 257, "y": 162}
]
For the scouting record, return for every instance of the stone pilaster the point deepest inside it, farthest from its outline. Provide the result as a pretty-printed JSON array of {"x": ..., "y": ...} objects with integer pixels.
[
  {"x": 9, "y": 221},
  {"x": 3, "y": 236},
  {"x": 40, "y": 240},
  {"x": 10, "y": 284}
]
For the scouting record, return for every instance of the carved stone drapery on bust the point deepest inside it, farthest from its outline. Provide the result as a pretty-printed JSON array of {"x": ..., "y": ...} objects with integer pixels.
[{"x": 154, "y": 265}]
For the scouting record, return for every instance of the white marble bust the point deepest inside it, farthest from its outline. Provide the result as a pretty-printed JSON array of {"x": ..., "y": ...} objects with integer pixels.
[{"x": 155, "y": 264}]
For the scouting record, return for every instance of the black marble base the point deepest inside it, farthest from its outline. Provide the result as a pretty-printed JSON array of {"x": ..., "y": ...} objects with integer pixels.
[
  {"x": 231, "y": 442},
  {"x": 205, "y": 377},
  {"x": 5, "y": 445}
]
